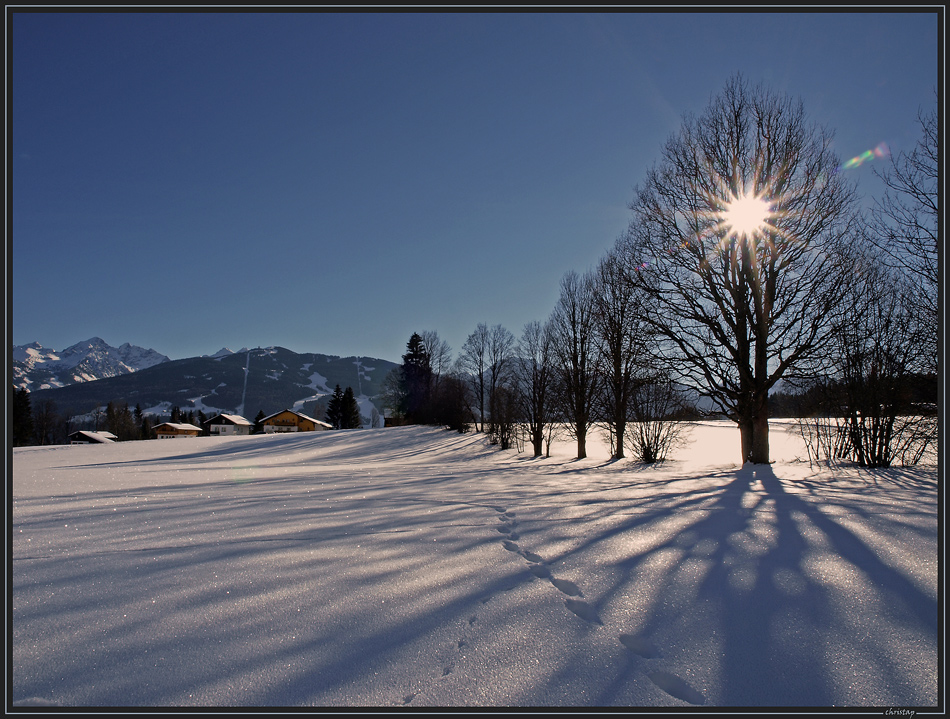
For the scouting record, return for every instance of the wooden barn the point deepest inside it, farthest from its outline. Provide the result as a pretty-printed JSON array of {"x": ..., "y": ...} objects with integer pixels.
[
  {"x": 290, "y": 421},
  {"x": 174, "y": 430}
]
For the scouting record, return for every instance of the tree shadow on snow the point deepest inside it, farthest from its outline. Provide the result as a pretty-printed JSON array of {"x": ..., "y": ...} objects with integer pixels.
[{"x": 781, "y": 593}]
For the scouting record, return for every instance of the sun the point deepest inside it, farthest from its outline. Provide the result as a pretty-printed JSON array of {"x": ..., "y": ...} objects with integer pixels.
[{"x": 746, "y": 215}]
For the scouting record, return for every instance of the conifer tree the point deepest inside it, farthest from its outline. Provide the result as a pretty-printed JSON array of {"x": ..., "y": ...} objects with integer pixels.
[
  {"x": 350, "y": 411},
  {"x": 22, "y": 418},
  {"x": 417, "y": 381},
  {"x": 335, "y": 408}
]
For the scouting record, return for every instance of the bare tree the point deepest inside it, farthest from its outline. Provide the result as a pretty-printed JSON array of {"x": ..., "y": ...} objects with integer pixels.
[
  {"x": 622, "y": 337},
  {"x": 394, "y": 394},
  {"x": 440, "y": 357},
  {"x": 575, "y": 355},
  {"x": 535, "y": 382},
  {"x": 868, "y": 412},
  {"x": 501, "y": 344},
  {"x": 454, "y": 402},
  {"x": 905, "y": 223},
  {"x": 658, "y": 428},
  {"x": 473, "y": 361},
  {"x": 739, "y": 233}
]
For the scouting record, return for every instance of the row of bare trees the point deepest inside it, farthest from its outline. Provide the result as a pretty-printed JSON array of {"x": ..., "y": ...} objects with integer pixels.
[
  {"x": 587, "y": 366},
  {"x": 748, "y": 262}
]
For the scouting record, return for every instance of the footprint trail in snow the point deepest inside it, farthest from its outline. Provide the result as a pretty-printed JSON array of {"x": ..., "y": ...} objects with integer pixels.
[{"x": 641, "y": 646}]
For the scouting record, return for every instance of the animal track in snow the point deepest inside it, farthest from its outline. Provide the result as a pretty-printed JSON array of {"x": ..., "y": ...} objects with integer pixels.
[
  {"x": 511, "y": 546},
  {"x": 639, "y": 645},
  {"x": 584, "y": 610},
  {"x": 676, "y": 687},
  {"x": 568, "y": 587},
  {"x": 669, "y": 683}
]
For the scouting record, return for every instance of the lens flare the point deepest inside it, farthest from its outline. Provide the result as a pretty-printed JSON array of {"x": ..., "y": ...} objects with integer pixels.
[
  {"x": 881, "y": 150},
  {"x": 746, "y": 215},
  {"x": 736, "y": 214}
]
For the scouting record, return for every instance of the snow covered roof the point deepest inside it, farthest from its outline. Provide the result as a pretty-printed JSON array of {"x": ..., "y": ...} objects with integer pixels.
[
  {"x": 101, "y": 437},
  {"x": 179, "y": 426},
  {"x": 299, "y": 414},
  {"x": 232, "y": 418}
]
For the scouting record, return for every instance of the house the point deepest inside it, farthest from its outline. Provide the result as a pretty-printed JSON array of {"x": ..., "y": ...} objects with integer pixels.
[
  {"x": 228, "y": 425},
  {"x": 174, "y": 430},
  {"x": 290, "y": 421},
  {"x": 83, "y": 436}
]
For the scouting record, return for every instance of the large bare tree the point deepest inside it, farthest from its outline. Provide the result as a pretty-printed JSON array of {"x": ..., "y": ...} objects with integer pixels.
[{"x": 739, "y": 237}]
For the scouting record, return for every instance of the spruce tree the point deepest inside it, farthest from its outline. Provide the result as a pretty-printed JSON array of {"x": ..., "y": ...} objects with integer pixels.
[
  {"x": 417, "y": 380},
  {"x": 350, "y": 411},
  {"x": 335, "y": 408}
]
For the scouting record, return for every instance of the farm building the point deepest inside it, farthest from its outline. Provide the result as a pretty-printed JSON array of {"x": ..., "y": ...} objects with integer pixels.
[
  {"x": 174, "y": 430},
  {"x": 83, "y": 436},
  {"x": 228, "y": 424},
  {"x": 290, "y": 421}
]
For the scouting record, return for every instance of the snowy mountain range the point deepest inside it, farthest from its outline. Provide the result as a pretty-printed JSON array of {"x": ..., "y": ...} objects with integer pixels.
[
  {"x": 36, "y": 367},
  {"x": 245, "y": 382}
]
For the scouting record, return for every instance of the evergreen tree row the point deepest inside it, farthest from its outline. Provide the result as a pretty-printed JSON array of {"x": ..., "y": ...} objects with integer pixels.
[{"x": 343, "y": 411}]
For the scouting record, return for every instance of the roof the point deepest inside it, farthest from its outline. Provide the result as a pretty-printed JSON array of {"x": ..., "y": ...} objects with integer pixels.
[
  {"x": 178, "y": 426},
  {"x": 299, "y": 414},
  {"x": 232, "y": 418},
  {"x": 102, "y": 437}
]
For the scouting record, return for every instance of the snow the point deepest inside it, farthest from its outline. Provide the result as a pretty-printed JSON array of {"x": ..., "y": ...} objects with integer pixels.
[
  {"x": 81, "y": 362},
  {"x": 318, "y": 382},
  {"x": 413, "y": 567},
  {"x": 199, "y": 405},
  {"x": 366, "y": 410}
]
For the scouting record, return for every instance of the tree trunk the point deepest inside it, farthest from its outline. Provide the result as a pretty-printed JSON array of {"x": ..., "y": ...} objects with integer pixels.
[
  {"x": 759, "y": 447},
  {"x": 745, "y": 438},
  {"x": 760, "y": 440},
  {"x": 537, "y": 441}
]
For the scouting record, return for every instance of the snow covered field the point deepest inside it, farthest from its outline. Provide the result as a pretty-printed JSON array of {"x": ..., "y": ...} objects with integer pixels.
[{"x": 417, "y": 567}]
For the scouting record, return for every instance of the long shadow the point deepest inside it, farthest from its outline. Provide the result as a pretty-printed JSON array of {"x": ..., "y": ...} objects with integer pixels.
[
  {"x": 199, "y": 632},
  {"x": 343, "y": 446},
  {"x": 768, "y": 611},
  {"x": 742, "y": 554}
]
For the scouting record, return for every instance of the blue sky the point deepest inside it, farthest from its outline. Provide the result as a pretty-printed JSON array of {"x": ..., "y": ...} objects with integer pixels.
[{"x": 332, "y": 182}]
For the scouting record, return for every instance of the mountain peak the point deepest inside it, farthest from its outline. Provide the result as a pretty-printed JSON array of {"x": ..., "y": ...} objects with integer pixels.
[{"x": 37, "y": 367}]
